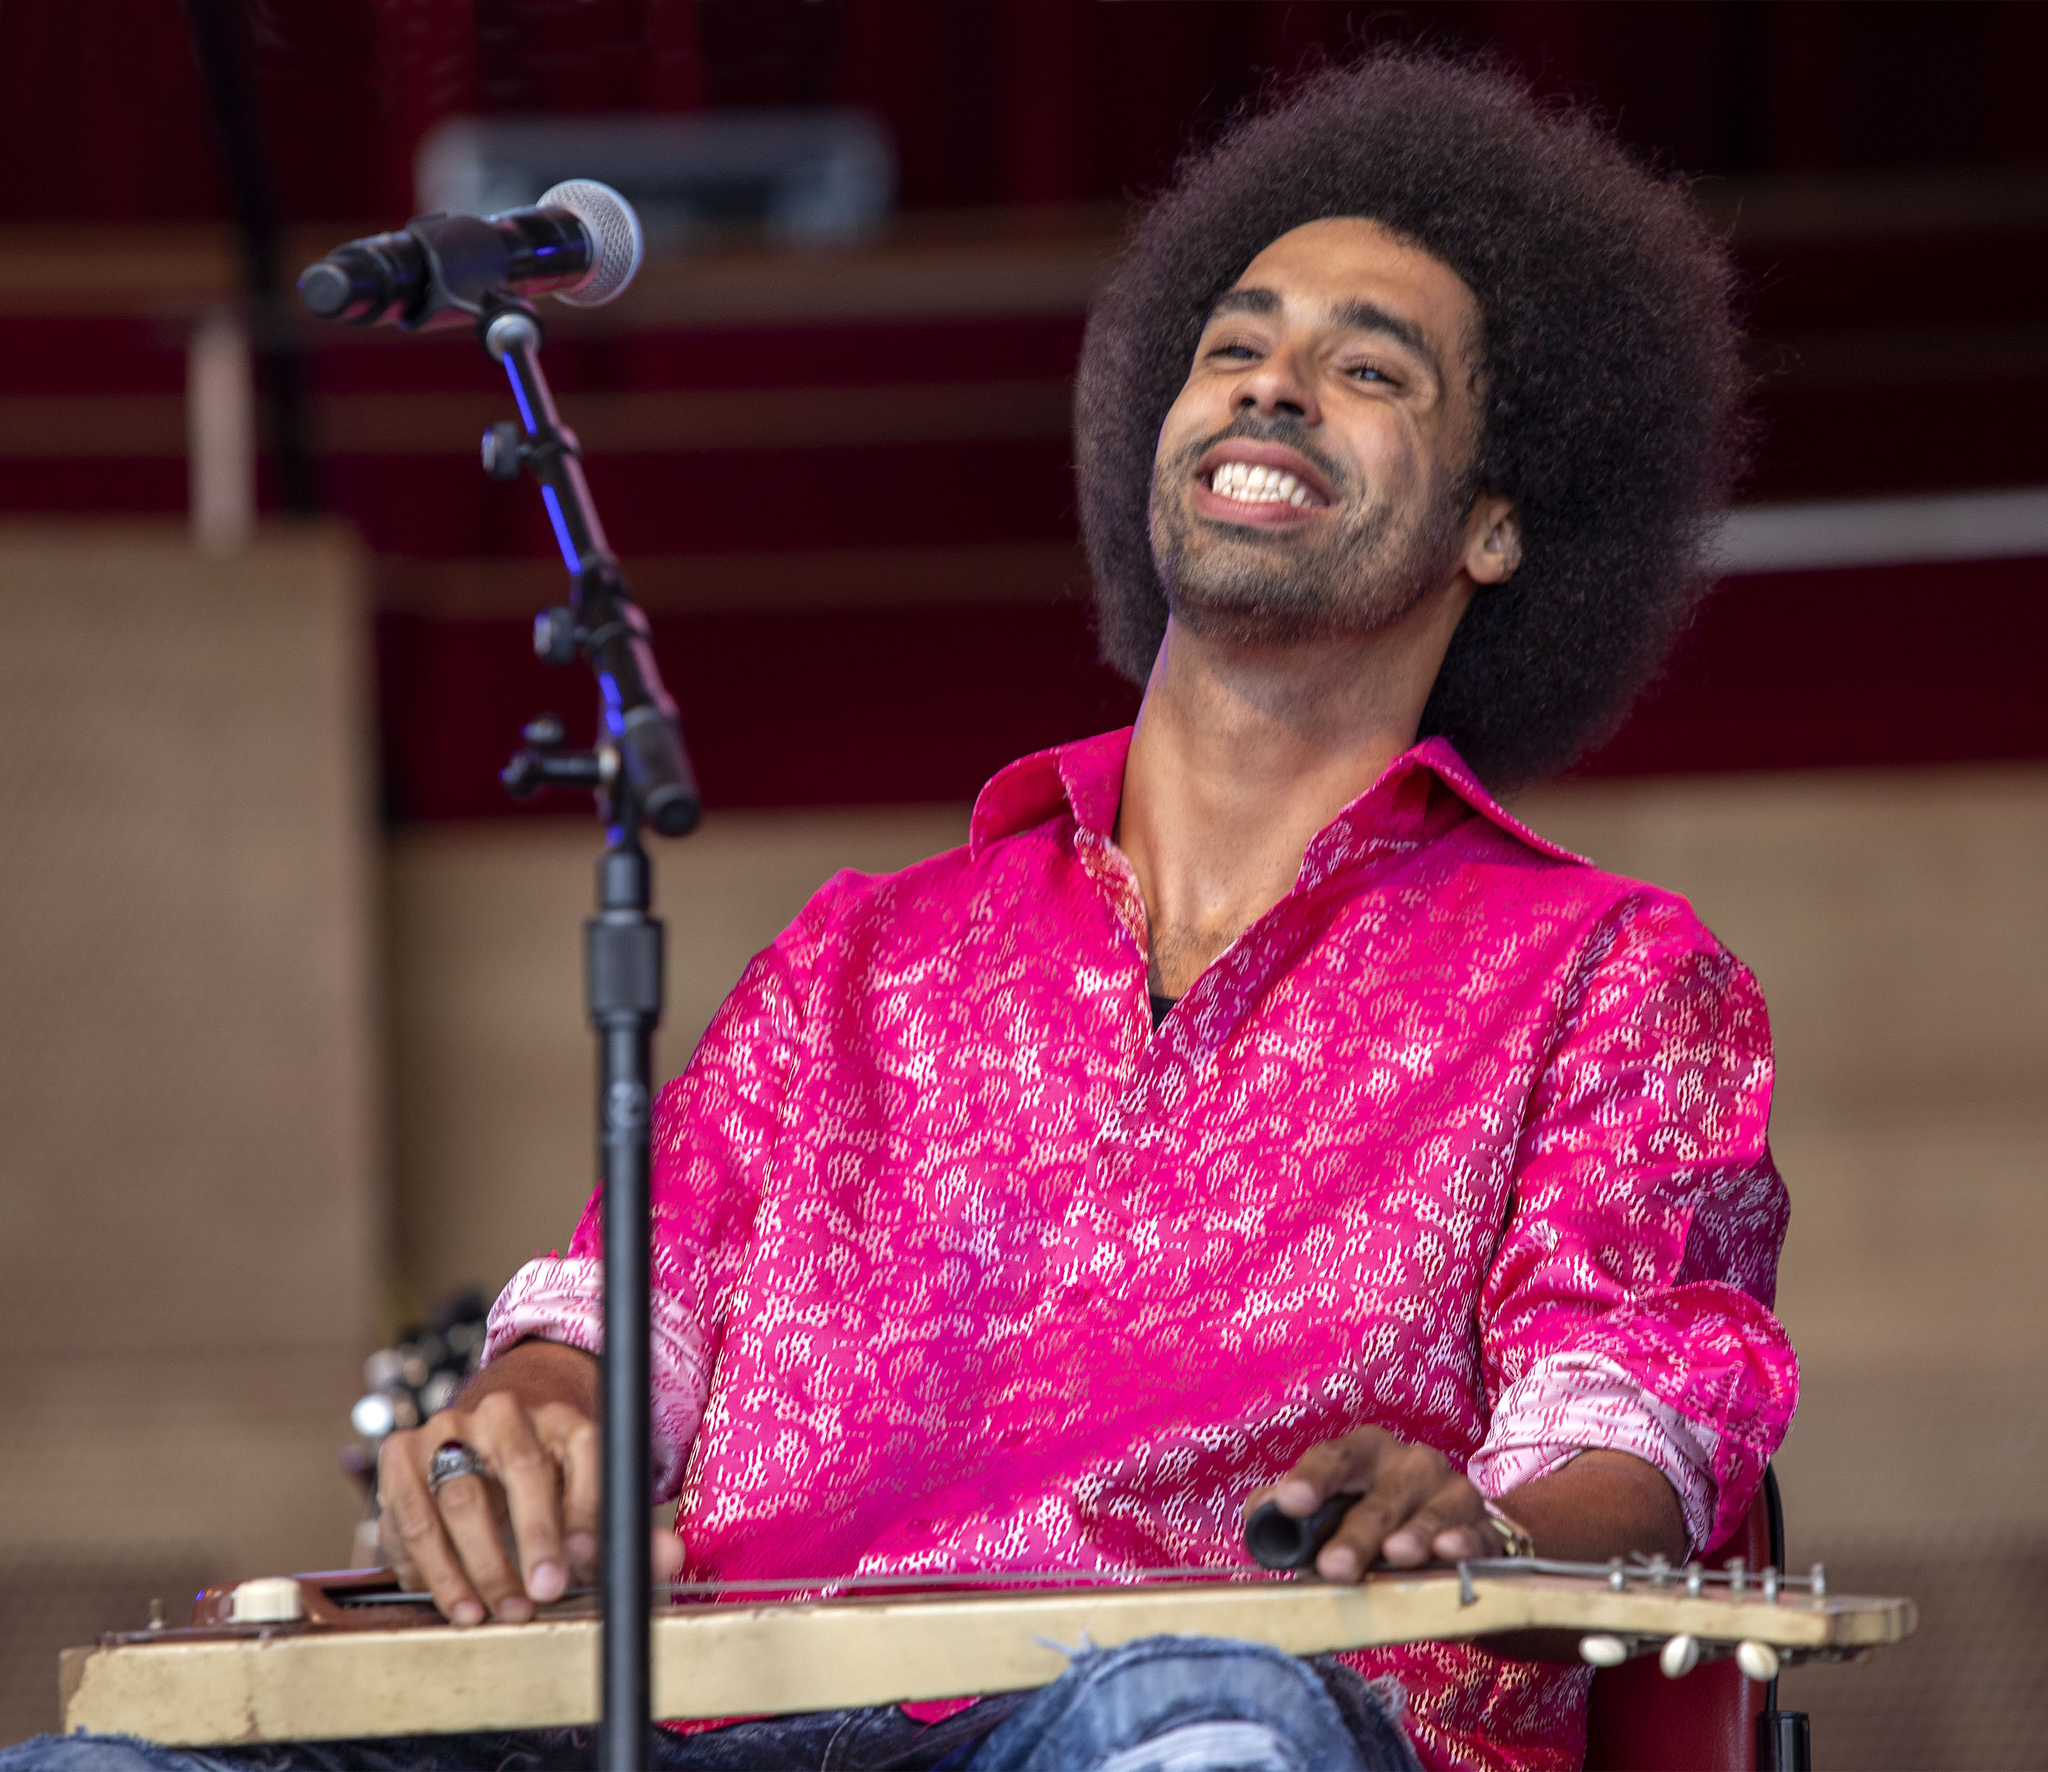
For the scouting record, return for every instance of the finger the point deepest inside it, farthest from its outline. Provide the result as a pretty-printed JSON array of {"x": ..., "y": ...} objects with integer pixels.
[
  {"x": 391, "y": 1546},
  {"x": 397, "y": 1558},
  {"x": 471, "y": 1514},
  {"x": 572, "y": 1440},
  {"x": 1461, "y": 1544},
  {"x": 531, "y": 1481},
  {"x": 1454, "y": 1514},
  {"x": 666, "y": 1556},
  {"x": 1402, "y": 1483},
  {"x": 410, "y": 1528},
  {"x": 1331, "y": 1468},
  {"x": 391, "y": 1550}
]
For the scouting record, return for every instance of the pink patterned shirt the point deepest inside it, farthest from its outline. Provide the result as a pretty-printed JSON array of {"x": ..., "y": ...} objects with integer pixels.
[{"x": 960, "y": 1266}]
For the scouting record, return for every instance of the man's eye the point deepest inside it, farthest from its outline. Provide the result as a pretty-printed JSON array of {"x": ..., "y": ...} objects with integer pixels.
[
  {"x": 1369, "y": 372},
  {"x": 1240, "y": 351}
]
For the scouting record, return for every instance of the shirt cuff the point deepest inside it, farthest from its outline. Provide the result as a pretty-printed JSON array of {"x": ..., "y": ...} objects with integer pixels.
[
  {"x": 1572, "y": 1403},
  {"x": 561, "y": 1298}
]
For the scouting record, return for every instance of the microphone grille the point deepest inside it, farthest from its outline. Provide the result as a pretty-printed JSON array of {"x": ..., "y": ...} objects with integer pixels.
[{"x": 614, "y": 233}]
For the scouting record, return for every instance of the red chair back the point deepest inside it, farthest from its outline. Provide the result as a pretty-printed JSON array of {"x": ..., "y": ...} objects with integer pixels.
[{"x": 1638, "y": 1721}]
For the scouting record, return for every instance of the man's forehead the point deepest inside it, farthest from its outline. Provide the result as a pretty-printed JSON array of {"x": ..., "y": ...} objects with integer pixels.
[{"x": 1353, "y": 240}]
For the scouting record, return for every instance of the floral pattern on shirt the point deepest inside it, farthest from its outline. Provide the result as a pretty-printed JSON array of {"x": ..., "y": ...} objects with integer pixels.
[{"x": 973, "y": 1270}]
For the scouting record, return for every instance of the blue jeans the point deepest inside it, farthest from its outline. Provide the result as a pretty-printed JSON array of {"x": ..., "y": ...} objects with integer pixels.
[{"x": 1166, "y": 1704}]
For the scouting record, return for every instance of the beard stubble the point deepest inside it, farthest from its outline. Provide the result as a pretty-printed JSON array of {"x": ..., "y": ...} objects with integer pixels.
[{"x": 1244, "y": 587}]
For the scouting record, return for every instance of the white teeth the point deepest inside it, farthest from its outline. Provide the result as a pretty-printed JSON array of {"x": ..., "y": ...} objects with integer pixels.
[{"x": 1250, "y": 484}]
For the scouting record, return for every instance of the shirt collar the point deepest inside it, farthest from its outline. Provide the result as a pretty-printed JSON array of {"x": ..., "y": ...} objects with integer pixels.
[{"x": 1421, "y": 794}]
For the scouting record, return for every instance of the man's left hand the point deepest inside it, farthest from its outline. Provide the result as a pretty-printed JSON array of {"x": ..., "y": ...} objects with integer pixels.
[{"x": 1413, "y": 1506}]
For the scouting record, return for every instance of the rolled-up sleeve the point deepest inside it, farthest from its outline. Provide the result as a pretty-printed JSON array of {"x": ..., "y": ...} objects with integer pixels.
[
  {"x": 1628, "y": 1306},
  {"x": 715, "y": 1128},
  {"x": 561, "y": 1298}
]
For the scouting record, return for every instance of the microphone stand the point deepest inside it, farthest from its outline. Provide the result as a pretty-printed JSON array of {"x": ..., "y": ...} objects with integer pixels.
[{"x": 641, "y": 775}]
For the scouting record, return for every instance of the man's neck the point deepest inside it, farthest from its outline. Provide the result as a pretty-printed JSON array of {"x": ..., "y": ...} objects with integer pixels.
[{"x": 1243, "y": 753}]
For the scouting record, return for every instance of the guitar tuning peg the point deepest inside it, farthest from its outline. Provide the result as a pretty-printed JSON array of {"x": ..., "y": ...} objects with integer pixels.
[
  {"x": 1601, "y": 1650},
  {"x": 1679, "y": 1657},
  {"x": 1758, "y": 1660}
]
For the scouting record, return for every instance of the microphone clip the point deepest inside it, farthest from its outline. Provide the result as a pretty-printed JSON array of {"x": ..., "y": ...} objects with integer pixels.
[
  {"x": 507, "y": 449},
  {"x": 543, "y": 762}
]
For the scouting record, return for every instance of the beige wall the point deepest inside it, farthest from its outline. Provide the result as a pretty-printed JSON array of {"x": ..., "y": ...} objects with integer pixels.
[{"x": 191, "y": 1194}]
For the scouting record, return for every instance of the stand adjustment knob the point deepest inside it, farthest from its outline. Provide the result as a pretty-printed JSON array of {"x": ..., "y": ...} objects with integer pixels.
[
  {"x": 504, "y": 450},
  {"x": 522, "y": 776},
  {"x": 542, "y": 763},
  {"x": 556, "y": 636}
]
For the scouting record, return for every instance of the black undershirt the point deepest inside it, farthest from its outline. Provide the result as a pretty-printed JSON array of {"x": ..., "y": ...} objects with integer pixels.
[{"x": 1160, "y": 1005}]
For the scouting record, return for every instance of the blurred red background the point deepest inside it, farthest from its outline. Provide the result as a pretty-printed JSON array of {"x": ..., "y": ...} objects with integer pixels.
[{"x": 1880, "y": 167}]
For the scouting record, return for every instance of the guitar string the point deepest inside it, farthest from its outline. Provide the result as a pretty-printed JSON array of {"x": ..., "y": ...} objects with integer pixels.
[
  {"x": 1636, "y": 1574},
  {"x": 928, "y": 1579}
]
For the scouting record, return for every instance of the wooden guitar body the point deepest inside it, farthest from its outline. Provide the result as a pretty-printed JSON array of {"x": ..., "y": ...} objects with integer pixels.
[{"x": 355, "y": 1663}]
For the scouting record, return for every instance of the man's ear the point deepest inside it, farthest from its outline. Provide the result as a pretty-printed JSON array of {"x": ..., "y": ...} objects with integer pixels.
[{"x": 1493, "y": 541}]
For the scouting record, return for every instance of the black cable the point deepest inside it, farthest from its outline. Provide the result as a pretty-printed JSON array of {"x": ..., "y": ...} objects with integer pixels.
[{"x": 1774, "y": 1515}]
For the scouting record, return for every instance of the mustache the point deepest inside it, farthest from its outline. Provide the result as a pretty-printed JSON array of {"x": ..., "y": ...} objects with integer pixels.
[{"x": 1289, "y": 433}]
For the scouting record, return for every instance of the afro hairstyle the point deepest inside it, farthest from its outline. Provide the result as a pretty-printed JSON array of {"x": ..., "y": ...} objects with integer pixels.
[{"x": 1613, "y": 391}]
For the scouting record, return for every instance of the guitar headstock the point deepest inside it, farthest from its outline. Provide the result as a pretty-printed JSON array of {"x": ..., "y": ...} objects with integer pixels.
[{"x": 1689, "y": 1614}]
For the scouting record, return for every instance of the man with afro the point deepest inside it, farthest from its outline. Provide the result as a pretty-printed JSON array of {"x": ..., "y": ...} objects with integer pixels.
[{"x": 1252, "y": 1109}]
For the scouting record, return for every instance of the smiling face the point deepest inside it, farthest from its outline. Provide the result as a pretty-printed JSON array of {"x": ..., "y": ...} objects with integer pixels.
[{"x": 1312, "y": 477}]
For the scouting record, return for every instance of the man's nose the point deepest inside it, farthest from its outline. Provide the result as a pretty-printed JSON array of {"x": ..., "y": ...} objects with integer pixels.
[{"x": 1279, "y": 387}]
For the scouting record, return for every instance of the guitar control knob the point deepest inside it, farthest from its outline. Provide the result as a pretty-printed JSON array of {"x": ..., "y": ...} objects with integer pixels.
[
  {"x": 270, "y": 1599},
  {"x": 1602, "y": 1650},
  {"x": 1758, "y": 1660},
  {"x": 1679, "y": 1657}
]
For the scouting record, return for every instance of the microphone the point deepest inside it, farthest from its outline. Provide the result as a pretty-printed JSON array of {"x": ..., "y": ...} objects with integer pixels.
[{"x": 581, "y": 243}]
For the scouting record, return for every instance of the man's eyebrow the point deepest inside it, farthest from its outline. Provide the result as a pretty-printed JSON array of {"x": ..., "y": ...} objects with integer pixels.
[
  {"x": 1366, "y": 316},
  {"x": 1246, "y": 301},
  {"x": 1355, "y": 316}
]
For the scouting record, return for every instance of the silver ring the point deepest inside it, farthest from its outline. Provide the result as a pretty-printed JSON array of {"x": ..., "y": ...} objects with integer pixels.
[{"x": 456, "y": 1459}]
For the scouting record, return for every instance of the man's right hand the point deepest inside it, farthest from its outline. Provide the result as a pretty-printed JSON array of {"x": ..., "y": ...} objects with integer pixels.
[{"x": 493, "y": 1546}]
